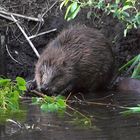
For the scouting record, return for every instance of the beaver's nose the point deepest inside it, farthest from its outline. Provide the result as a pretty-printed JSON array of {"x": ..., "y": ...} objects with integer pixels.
[{"x": 44, "y": 88}]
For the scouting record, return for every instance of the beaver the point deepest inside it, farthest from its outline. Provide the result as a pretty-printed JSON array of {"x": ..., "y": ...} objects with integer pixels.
[{"x": 79, "y": 58}]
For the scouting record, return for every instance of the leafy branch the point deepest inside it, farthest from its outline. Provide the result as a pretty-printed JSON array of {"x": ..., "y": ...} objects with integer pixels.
[
  {"x": 126, "y": 11},
  {"x": 10, "y": 93}
]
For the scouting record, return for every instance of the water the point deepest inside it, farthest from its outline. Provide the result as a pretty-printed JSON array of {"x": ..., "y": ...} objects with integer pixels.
[{"x": 107, "y": 122}]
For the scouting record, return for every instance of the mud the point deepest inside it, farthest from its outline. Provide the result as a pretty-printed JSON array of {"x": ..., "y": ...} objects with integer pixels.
[{"x": 124, "y": 47}]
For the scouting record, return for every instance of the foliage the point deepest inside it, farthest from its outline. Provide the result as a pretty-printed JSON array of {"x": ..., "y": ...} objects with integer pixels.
[
  {"x": 50, "y": 104},
  {"x": 81, "y": 120},
  {"x": 127, "y": 11},
  {"x": 58, "y": 104},
  {"x": 133, "y": 64},
  {"x": 9, "y": 94},
  {"x": 131, "y": 110}
]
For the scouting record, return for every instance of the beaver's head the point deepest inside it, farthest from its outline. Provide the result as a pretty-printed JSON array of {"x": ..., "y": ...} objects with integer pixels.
[{"x": 53, "y": 75}]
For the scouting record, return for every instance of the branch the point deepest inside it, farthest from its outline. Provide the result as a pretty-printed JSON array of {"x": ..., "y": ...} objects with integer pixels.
[
  {"x": 46, "y": 32},
  {"x": 25, "y": 35},
  {"x": 6, "y": 17},
  {"x": 12, "y": 56},
  {"x": 37, "y": 93},
  {"x": 49, "y": 8},
  {"x": 21, "y": 16}
]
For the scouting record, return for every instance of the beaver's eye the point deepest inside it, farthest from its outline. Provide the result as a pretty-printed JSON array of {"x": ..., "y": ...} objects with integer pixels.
[{"x": 57, "y": 77}]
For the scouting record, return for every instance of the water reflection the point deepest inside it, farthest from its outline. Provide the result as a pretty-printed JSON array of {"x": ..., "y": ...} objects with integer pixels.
[{"x": 108, "y": 123}]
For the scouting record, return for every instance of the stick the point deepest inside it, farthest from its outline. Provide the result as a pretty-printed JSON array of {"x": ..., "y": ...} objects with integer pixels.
[
  {"x": 21, "y": 16},
  {"x": 49, "y": 8},
  {"x": 25, "y": 35},
  {"x": 6, "y": 17},
  {"x": 12, "y": 56},
  {"x": 46, "y": 32},
  {"x": 37, "y": 93}
]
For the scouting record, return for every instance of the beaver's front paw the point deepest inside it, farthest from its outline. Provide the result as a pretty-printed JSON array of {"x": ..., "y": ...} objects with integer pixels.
[{"x": 31, "y": 85}]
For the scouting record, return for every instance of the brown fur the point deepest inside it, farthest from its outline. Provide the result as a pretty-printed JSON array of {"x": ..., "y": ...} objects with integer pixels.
[{"x": 79, "y": 58}]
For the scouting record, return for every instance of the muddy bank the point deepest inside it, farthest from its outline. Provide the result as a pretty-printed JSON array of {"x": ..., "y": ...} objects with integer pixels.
[{"x": 20, "y": 58}]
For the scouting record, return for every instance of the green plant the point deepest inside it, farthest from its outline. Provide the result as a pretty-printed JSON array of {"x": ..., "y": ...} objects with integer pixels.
[
  {"x": 134, "y": 65},
  {"x": 126, "y": 11},
  {"x": 50, "y": 104},
  {"x": 58, "y": 104},
  {"x": 131, "y": 110},
  {"x": 9, "y": 94}
]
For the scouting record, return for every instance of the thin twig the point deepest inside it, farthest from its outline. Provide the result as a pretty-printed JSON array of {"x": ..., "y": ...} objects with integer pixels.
[
  {"x": 68, "y": 97},
  {"x": 46, "y": 32},
  {"x": 37, "y": 93},
  {"x": 21, "y": 16},
  {"x": 11, "y": 55},
  {"x": 89, "y": 120},
  {"x": 25, "y": 35},
  {"x": 14, "y": 122},
  {"x": 49, "y": 8},
  {"x": 6, "y": 17},
  {"x": 102, "y": 104}
]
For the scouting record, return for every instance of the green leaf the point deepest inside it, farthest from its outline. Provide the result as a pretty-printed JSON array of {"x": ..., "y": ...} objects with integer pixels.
[
  {"x": 36, "y": 100},
  {"x": 117, "y": 1},
  {"x": 138, "y": 18},
  {"x": 44, "y": 107},
  {"x": 90, "y": 2},
  {"x": 131, "y": 110},
  {"x": 20, "y": 81},
  {"x": 15, "y": 95},
  {"x": 61, "y": 103},
  {"x": 74, "y": 6},
  {"x": 67, "y": 11},
  {"x": 49, "y": 99},
  {"x": 127, "y": 7},
  {"x": 130, "y": 2},
  {"x": 72, "y": 11},
  {"x": 64, "y": 3},
  {"x": 22, "y": 88},
  {"x": 60, "y": 97},
  {"x": 125, "y": 32},
  {"x": 74, "y": 14},
  {"x": 4, "y": 81},
  {"x": 49, "y": 107},
  {"x": 126, "y": 14}
]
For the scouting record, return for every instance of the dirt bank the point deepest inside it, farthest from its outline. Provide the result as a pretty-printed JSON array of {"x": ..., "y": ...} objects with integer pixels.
[{"x": 20, "y": 58}]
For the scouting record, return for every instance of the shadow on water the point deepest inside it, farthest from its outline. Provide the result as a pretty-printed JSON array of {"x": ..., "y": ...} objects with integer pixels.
[{"x": 108, "y": 123}]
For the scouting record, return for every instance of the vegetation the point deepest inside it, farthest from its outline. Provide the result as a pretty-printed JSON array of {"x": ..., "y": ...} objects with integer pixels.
[
  {"x": 134, "y": 65},
  {"x": 131, "y": 110},
  {"x": 50, "y": 104},
  {"x": 10, "y": 93},
  {"x": 127, "y": 12},
  {"x": 59, "y": 104}
]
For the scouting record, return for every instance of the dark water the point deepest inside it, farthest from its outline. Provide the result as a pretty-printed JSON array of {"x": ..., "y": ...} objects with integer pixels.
[{"x": 107, "y": 122}]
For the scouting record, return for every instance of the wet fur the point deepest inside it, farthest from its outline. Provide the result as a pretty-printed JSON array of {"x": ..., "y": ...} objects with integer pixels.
[{"x": 79, "y": 58}]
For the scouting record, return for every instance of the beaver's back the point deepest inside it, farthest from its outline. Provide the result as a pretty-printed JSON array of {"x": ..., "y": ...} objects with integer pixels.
[
  {"x": 86, "y": 51},
  {"x": 90, "y": 53}
]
